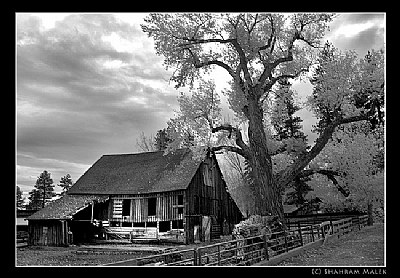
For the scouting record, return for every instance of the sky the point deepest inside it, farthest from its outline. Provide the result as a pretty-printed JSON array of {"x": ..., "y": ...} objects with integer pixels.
[{"x": 90, "y": 84}]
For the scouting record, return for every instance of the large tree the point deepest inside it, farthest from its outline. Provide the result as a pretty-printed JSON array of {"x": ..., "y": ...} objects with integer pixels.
[
  {"x": 43, "y": 191},
  {"x": 65, "y": 183},
  {"x": 257, "y": 51}
]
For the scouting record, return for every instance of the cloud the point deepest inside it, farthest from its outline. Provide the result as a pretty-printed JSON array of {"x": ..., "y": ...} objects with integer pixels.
[
  {"x": 359, "y": 32},
  {"x": 87, "y": 86}
]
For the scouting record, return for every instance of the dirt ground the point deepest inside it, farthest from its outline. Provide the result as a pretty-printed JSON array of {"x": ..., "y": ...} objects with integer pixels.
[
  {"x": 79, "y": 256},
  {"x": 361, "y": 248},
  {"x": 67, "y": 256}
]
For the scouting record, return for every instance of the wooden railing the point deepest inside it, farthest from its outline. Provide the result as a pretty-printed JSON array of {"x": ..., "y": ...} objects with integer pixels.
[{"x": 250, "y": 250}]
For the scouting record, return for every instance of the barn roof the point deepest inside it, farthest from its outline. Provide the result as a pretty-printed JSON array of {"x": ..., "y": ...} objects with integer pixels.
[
  {"x": 138, "y": 173},
  {"x": 66, "y": 207}
]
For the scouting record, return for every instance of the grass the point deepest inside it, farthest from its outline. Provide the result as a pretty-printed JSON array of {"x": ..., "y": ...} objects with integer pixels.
[
  {"x": 361, "y": 248},
  {"x": 67, "y": 256}
]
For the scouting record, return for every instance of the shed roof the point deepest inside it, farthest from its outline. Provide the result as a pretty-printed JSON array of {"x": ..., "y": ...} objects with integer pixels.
[
  {"x": 138, "y": 173},
  {"x": 66, "y": 207}
]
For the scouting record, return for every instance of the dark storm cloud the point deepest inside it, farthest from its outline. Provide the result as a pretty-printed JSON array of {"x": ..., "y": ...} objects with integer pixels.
[
  {"x": 66, "y": 69},
  {"x": 78, "y": 97}
]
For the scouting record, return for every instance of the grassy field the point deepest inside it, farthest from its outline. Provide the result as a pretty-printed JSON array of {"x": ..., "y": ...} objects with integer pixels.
[
  {"x": 361, "y": 248},
  {"x": 67, "y": 256}
]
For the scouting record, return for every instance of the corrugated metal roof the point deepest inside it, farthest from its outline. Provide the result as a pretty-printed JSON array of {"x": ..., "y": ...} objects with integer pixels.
[
  {"x": 138, "y": 173},
  {"x": 66, "y": 206}
]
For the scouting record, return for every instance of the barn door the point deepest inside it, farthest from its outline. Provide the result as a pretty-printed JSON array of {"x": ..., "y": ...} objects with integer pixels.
[{"x": 206, "y": 228}]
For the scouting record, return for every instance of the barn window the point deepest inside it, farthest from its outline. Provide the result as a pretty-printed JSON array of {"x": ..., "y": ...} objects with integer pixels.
[
  {"x": 126, "y": 207},
  {"x": 178, "y": 207},
  {"x": 151, "y": 224},
  {"x": 164, "y": 226},
  {"x": 180, "y": 199},
  {"x": 177, "y": 224},
  {"x": 152, "y": 206}
]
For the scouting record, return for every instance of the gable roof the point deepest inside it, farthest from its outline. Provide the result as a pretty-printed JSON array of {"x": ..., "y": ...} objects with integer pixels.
[
  {"x": 138, "y": 173},
  {"x": 66, "y": 206}
]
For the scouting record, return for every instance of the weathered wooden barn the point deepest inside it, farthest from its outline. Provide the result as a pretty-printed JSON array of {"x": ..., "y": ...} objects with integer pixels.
[{"x": 145, "y": 196}]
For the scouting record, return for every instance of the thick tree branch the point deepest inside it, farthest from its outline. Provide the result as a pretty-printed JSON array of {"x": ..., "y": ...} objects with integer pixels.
[
  {"x": 193, "y": 41},
  {"x": 330, "y": 174},
  {"x": 198, "y": 64},
  {"x": 243, "y": 62},
  {"x": 271, "y": 38},
  {"x": 271, "y": 66},
  {"x": 303, "y": 160},
  {"x": 231, "y": 149},
  {"x": 238, "y": 138}
]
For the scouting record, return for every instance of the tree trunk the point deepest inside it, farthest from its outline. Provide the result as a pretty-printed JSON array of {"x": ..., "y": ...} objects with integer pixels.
[{"x": 268, "y": 198}]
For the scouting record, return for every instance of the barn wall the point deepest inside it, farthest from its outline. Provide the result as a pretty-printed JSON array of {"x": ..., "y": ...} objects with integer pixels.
[
  {"x": 207, "y": 195},
  {"x": 167, "y": 207},
  {"x": 48, "y": 232}
]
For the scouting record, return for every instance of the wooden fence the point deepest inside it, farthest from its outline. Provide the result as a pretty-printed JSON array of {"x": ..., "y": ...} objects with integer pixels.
[{"x": 248, "y": 251}]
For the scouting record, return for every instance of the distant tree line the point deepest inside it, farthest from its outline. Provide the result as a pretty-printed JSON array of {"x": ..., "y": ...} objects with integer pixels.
[{"x": 43, "y": 191}]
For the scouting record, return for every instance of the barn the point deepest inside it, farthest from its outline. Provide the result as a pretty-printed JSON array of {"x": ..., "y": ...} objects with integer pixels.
[{"x": 141, "y": 197}]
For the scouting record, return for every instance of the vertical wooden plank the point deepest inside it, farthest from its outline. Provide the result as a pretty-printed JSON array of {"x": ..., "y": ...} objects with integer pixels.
[
  {"x": 195, "y": 256},
  {"x": 301, "y": 236},
  {"x": 266, "y": 247}
]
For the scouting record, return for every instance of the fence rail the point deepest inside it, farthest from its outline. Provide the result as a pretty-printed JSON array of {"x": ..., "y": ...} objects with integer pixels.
[{"x": 247, "y": 251}]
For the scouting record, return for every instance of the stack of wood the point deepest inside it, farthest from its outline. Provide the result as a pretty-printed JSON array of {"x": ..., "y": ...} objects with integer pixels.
[{"x": 255, "y": 225}]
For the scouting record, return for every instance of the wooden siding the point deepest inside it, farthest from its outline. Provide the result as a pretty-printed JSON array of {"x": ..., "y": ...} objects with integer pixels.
[
  {"x": 167, "y": 207},
  {"x": 48, "y": 232},
  {"x": 207, "y": 195}
]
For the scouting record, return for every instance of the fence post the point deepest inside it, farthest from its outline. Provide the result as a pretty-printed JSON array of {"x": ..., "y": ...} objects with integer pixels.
[
  {"x": 286, "y": 244},
  {"x": 312, "y": 233},
  {"x": 332, "y": 231},
  {"x": 194, "y": 256},
  {"x": 236, "y": 251},
  {"x": 301, "y": 236},
  {"x": 266, "y": 247},
  {"x": 323, "y": 231},
  {"x": 219, "y": 254},
  {"x": 199, "y": 256}
]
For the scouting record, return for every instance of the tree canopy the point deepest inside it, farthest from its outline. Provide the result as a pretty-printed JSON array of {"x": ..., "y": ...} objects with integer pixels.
[
  {"x": 259, "y": 52},
  {"x": 43, "y": 191}
]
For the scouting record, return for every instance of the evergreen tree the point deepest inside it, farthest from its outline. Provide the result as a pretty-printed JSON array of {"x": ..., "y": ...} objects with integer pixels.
[
  {"x": 288, "y": 128},
  {"x": 20, "y": 199},
  {"x": 65, "y": 183},
  {"x": 285, "y": 123},
  {"x": 161, "y": 139},
  {"x": 43, "y": 191}
]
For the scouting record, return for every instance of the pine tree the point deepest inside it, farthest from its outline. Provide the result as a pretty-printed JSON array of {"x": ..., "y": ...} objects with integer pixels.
[
  {"x": 286, "y": 124},
  {"x": 65, "y": 183},
  {"x": 43, "y": 191},
  {"x": 161, "y": 139},
  {"x": 20, "y": 199}
]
